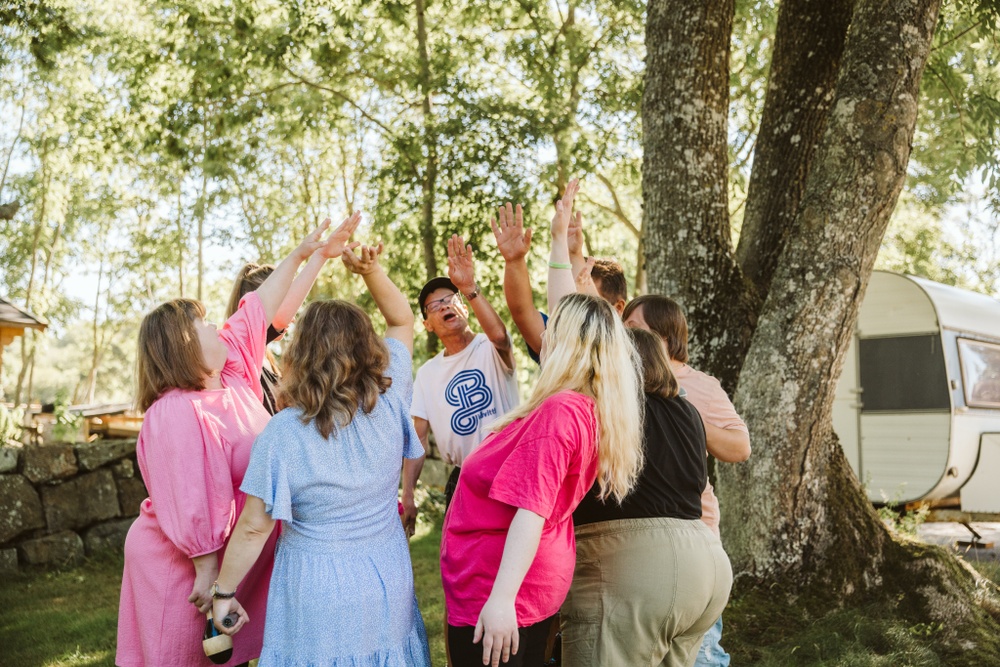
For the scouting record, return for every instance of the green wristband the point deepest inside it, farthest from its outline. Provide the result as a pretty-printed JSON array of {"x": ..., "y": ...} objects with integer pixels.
[{"x": 560, "y": 265}]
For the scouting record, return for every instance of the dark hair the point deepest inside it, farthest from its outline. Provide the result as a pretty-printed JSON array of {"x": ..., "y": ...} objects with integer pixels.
[
  {"x": 335, "y": 365},
  {"x": 250, "y": 277},
  {"x": 666, "y": 319},
  {"x": 169, "y": 355},
  {"x": 657, "y": 376},
  {"x": 610, "y": 280}
]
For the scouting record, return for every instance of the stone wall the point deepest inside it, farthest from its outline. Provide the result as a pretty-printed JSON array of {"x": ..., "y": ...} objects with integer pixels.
[{"x": 61, "y": 502}]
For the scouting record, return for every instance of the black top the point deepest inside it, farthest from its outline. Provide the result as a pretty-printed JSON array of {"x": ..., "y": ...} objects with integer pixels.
[
  {"x": 269, "y": 378},
  {"x": 672, "y": 480}
]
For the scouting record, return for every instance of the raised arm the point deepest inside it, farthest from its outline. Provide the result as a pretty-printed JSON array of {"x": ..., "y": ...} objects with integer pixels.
[
  {"x": 462, "y": 272},
  {"x": 388, "y": 298},
  {"x": 561, "y": 280},
  {"x": 274, "y": 290},
  {"x": 497, "y": 624},
  {"x": 514, "y": 241}
]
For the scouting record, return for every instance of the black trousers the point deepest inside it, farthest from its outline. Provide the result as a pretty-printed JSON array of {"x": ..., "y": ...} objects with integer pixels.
[
  {"x": 450, "y": 486},
  {"x": 530, "y": 650}
]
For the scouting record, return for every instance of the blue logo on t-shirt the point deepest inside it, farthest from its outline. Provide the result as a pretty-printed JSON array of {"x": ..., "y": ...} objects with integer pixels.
[{"x": 468, "y": 392}]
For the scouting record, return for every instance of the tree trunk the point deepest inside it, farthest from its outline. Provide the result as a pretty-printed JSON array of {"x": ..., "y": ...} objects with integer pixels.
[
  {"x": 687, "y": 241},
  {"x": 808, "y": 45},
  {"x": 181, "y": 237},
  {"x": 795, "y": 512}
]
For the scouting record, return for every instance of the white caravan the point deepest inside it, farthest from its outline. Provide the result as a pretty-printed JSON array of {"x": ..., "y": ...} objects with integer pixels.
[{"x": 918, "y": 404}]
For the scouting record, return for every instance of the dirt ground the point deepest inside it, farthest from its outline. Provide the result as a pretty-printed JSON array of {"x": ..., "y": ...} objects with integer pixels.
[{"x": 947, "y": 533}]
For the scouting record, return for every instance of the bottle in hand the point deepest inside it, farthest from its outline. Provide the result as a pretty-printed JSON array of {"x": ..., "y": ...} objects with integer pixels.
[{"x": 218, "y": 647}]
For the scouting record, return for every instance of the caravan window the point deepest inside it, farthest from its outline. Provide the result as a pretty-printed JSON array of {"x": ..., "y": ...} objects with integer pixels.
[
  {"x": 980, "y": 373},
  {"x": 903, "y": 374}
]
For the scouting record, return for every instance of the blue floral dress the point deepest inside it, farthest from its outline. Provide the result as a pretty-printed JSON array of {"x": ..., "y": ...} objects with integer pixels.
[{"x": 342, "y": 587}]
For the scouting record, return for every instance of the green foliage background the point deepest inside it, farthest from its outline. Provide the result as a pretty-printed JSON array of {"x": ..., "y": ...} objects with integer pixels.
[{"x": 137, "y": 133}]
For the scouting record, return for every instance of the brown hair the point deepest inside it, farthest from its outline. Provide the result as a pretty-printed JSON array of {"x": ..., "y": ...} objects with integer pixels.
[
  {"x": 610, "y": 280},
  {"x": 169, "y": 354},
  {"x": 250, "y": 277},
  {"x": 335, "y": 365},
  {"x": 657, "y": 376},
  {"x": 666, "y": 319}
]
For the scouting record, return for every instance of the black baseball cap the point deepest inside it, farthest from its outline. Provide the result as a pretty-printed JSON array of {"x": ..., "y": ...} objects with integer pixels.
[{"x": 434, "y": 284}]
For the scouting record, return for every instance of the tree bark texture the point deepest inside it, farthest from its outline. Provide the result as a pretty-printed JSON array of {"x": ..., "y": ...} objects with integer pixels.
[
  {"x": 795, "y": 512},
  {"x": 687, "y": 237},
  {"x": 809, "y": 42}
]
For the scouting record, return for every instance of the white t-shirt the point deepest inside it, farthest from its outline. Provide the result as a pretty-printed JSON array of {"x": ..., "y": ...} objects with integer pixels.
[{"x": 462, "y": 394}]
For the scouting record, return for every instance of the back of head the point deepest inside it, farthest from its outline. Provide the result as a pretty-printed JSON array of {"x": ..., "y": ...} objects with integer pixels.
[
  {"x": 588, "y": 350},
  {"x": 169, "y": 352},
  {"x": 609, "y": 277},
  {"x": 657, "y": 376},
  {"x": 665, "y": 318},
  {"x": 250, "y": 277},
  {"x": 334, "y": 366}
]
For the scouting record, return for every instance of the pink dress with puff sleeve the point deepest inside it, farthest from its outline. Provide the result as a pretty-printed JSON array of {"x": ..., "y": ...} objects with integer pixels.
[{"x": 193, "y": 450}]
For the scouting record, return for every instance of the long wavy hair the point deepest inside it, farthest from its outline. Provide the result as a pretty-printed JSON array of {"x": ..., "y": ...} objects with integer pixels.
[
  {"x": 334, "y": 366},
  {"x": 588, "y": 350},
  {"x": 169, "y": 355}
]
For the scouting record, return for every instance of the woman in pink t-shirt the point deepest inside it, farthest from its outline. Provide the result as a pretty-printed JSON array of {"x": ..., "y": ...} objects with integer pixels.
[
  {"x": 508, "y": 550},
  {"x": 200, "y": 390}
]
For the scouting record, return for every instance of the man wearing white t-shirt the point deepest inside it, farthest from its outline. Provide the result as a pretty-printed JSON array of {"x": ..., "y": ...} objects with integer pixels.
[{"x": 470, "y": 384}]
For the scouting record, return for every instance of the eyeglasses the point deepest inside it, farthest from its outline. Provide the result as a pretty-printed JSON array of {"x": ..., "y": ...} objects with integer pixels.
[{"x": 437, "y": 304}]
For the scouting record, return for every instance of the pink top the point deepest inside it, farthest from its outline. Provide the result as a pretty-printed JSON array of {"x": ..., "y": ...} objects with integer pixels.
[
  {"x": 706, "y": 394},
  {"x": 193, "y": 449},
  {"x": 545, "y": 463}
]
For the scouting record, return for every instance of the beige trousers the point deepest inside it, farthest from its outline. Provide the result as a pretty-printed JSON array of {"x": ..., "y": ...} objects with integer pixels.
[{"x": 645, "y": 592}]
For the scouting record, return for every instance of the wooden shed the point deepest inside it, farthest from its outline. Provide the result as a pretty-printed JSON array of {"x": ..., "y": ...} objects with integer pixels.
[{"x": 918, "y": 404}]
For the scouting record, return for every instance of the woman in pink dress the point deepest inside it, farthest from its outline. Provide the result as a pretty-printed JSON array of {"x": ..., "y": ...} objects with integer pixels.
[{"x": 200, "y": 389}]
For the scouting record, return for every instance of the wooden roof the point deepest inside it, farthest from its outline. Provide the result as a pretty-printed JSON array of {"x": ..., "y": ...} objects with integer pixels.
[{"x": 13, "y": 317}]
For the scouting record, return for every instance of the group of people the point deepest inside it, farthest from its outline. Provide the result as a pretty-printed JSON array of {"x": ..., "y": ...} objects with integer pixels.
[{"x": 282, "y": 497}]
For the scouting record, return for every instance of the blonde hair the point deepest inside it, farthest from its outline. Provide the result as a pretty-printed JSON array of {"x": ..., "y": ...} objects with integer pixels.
[
  {"x": 588, "y": 350},
  {"x": 335, "y": 365},
  {"x": 169, "y": 354}
]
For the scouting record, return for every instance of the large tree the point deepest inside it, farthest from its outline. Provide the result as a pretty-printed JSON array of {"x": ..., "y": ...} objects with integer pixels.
[{"x": 774, "y": 318}]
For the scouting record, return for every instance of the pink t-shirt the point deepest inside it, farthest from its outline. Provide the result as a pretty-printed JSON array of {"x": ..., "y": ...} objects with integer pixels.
[
  {"x": 706, "y": 394},
  {"x": 545, "y": 463}
]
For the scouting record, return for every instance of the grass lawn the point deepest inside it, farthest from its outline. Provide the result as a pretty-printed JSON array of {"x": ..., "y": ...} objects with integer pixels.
[{"x": 68, "y": 618}]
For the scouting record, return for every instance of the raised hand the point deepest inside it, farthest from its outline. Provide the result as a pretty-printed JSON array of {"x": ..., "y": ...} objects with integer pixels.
[
  {"x": 461, "y": 267},
  {"x": 564, "y": 210},
  {"x": 585, "y": 280},
  {"x": 513, "y": 240},
  {"x": 336, "y": 243},
  {"x": 312, "y": 242},
  {"x": 575, "y": 235},
  {"x": 364, "y": 261}
]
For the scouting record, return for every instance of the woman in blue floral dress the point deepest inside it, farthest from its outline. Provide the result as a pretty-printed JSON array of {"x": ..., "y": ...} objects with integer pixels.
[{"x": 327, "y": 466}]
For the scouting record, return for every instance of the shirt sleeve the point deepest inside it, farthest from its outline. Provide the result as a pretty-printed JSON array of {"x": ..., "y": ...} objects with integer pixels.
[
  {"x": 400, "y": 369},
  {"x": 188, "y": 476},
  {"x": 412, "y": 449},
  {"x": 548, "y": 457},
  {"x": 721, "y": 412},
  {"x": 245, "y": 334},
  {"x": 267, "y": 474}
]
